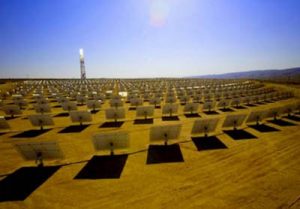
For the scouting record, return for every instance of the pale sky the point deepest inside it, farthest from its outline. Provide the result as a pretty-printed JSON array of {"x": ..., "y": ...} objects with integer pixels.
[{"x": 147, "y": 38}]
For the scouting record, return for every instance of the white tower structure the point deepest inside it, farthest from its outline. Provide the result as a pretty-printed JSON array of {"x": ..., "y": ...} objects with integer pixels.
[{"x": 82, "y": 66}]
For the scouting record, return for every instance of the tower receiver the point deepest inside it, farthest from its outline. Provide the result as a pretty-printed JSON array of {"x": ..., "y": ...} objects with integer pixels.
[{"x": 82, "y": 65}]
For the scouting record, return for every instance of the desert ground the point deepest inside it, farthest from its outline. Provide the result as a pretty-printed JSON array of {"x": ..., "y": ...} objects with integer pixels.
[{"x": 263, "y": 172}]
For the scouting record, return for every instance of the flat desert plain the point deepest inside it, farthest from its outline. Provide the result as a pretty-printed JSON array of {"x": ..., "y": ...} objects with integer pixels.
[{"x": 263, "y": 172}]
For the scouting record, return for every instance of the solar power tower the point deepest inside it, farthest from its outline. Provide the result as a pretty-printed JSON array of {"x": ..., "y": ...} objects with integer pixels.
[{"x": 82, "y": 65}]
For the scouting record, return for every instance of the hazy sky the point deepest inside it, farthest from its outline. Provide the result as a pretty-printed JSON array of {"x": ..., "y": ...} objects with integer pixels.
[{"x": 147, "y": 38}]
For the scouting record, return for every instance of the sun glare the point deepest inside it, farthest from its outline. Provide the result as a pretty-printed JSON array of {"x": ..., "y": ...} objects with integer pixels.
[{"x": 159, "y": 10}]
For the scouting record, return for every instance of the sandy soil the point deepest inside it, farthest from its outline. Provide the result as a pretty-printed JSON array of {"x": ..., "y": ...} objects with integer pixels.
[{"x": 256, "y": 173}]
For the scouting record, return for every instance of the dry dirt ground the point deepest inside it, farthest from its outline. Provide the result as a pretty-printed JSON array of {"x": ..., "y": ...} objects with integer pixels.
[{"x": 255, "y": 173}]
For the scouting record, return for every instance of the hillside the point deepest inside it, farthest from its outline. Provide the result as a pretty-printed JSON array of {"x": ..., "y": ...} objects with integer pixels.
[{"x": 291, "y": 75}]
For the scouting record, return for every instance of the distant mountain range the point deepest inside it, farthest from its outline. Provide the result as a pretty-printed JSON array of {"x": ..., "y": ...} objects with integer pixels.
[
  {"x": 290, "y": 75},
  {"x": 283, "y": 75}
]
